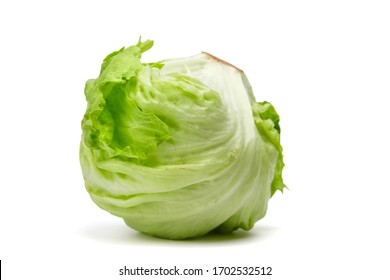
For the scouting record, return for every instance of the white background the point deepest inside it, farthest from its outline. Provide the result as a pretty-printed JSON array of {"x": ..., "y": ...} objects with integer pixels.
[{"x": 324, "y": 65}]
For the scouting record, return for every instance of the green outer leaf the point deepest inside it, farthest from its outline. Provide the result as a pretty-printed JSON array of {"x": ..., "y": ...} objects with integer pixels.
[
  {"x": 113, "y": 122},
  {"x": 267, "y": 123}
]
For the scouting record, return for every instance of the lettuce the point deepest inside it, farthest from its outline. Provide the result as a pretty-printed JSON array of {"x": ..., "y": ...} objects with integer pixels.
[{"x": 179, "y": 148}]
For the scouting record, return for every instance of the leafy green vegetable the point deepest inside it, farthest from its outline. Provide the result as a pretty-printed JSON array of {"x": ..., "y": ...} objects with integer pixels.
[{"x": 180, "y": 147}]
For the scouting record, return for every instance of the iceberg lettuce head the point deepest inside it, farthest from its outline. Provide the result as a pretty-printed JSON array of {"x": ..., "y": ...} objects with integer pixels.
[{"x": 179, "y": 148}]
